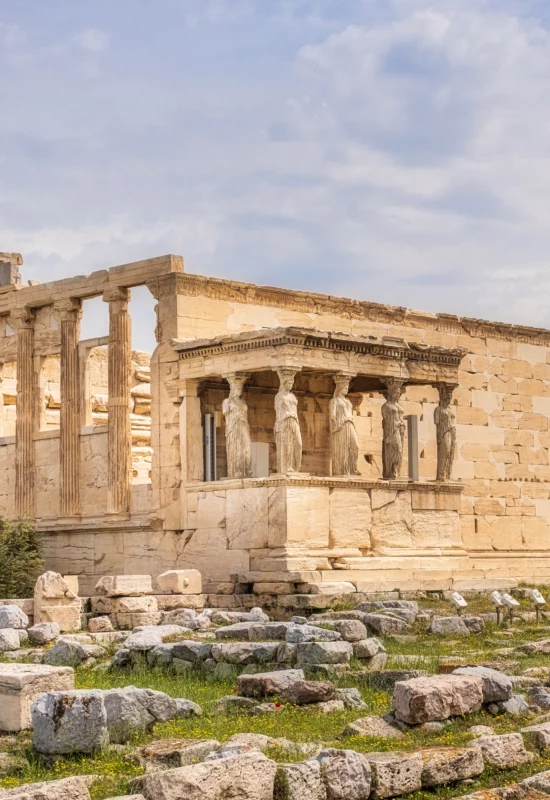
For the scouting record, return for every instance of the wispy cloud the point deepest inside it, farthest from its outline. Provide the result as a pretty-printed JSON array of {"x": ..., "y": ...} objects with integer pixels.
[
  {"x": 94, "y": 40},
  {"x": 395, "y": 150}
]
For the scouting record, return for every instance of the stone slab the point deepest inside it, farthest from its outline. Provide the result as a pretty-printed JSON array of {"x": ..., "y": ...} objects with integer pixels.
[
  {"x": 20, "y": 685},
  {"x": 180, "y": 581}
]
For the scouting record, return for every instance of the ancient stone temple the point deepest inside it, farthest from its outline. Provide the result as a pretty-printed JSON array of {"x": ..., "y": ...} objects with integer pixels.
[{"x": 277, "y": 439}]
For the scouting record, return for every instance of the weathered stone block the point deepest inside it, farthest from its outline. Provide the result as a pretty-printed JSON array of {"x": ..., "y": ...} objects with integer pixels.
[
  {"x": 302, "y": 693},
  {"x": 395, "y": 773},
  {"x": 100, "y": 625},
  {"x": 435, "y": 698},
  {"x": 505, "y": 751},
  {"x": 264, "y": 684},
  {"x": 496, "y": 685},
  {"x": 449, "y": 626},
  {"x": 20, "y": 685},
  {"x": 65, "y": 789},
  {"x": 373, "y": 727},
  {"x": 124, "y": 585},
  {"x": 314, "y": 653},
  {"x": 135, "y": 605},
  {"x": 54, "y": 601},
  {"x": 449, "y": 764},
  {"x": 43, "y": 633},
  {"x": 250, "y": 776},
  {"x": 180, "y": 581},
  {"x": 346, "y": 774},
  {"x": 69, "y": 722},
  {"x": 13, "y": 617},
  {"x": 300, "y": 781}
]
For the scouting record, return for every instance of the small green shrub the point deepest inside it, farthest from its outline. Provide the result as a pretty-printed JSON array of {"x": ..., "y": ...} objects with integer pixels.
[{"x": 20, "y": 561}]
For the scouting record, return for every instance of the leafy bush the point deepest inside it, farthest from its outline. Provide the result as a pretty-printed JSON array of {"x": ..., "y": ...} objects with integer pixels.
[{"x": 20, "y": 561}]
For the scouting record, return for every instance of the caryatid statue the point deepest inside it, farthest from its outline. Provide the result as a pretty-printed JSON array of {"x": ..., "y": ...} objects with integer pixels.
[
  {"x": 288, "y": 437},
  {"x": 393, "y": 428},
  {"x": 237, "y": 430},
  {"x": 344, "y": 441},
  {"x": 445, "y": 423}
]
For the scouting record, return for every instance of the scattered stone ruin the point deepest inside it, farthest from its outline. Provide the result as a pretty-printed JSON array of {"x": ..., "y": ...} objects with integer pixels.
[{"x": 281, "y": 442}]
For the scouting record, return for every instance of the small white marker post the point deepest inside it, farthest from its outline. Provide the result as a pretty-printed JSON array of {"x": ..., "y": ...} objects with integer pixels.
[
  {"x": 458, "y": 602},
  {"x": 511, "y": 603},
  {"x": 496, "y": 599},
  {"x": 538, "y": 601}
]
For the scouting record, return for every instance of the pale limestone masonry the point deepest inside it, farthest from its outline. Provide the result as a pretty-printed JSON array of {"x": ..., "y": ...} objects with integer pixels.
[
  {"x": 103, "y": 446},
  {"x": 20, "y": 685}
]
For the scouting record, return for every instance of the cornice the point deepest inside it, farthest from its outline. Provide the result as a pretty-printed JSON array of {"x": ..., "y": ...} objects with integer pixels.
[
  {"x": 400, "y": 485},
  {"x": 310, "y": 339}
]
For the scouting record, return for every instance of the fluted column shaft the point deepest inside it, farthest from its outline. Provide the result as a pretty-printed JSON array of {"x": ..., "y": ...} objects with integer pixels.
[
  {"x": 119, "y": 372},
  {"x": 70, "y": 312},
  {"x": 23, "y": 322}
]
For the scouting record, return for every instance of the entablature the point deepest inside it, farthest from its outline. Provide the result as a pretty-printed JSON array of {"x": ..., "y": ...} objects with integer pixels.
[{"x": 309, "y": 349}]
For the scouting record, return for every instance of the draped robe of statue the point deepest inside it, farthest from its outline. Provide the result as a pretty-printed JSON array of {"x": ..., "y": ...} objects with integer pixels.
[
  {"x": 288, "y": 437},
  {"x": 445, "y": 421},
  {"x": 393, "y": 428},
  {"x": 237, "y": 431},
  {"x": 344, "y": 441}
]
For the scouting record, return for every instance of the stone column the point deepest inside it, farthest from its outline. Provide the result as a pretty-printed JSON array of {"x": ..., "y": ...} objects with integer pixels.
[
  {"x": 22, "y": 320},
  {"x": 119, "y": 372},
  {"x": 70, "y": 312}
]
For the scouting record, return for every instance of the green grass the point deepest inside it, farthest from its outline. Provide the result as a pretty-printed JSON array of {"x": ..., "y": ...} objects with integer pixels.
[{"x": 116, "y": 769}]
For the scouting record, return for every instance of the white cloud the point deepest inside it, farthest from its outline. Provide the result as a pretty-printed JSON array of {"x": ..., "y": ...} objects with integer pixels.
[
  {"x": 11, "y": 36},
  {"x": 93, "y": 40},
  {"x": 402, "y": 158}
]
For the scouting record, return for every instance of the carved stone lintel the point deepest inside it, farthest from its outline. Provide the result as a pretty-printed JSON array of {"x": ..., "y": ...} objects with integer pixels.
[
  {"x": 393, "y": 427},
  {"x": 237, "y": 430},
  {"x": 445, "y": 422},
  {"x": 344, "y": 441},
  {"x": 288, "y": 437}
]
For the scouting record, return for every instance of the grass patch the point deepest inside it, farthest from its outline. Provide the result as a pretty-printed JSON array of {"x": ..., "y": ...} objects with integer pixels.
[{"x": 116, "y": 768}]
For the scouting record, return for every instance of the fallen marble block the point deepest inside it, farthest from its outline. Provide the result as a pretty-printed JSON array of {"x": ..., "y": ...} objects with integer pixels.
[
  {"x": 437, "y": 697},
  {"x": 21, "y": 684}
]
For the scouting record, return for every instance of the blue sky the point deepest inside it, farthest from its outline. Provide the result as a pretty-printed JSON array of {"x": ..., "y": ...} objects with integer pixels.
[{"x": 390, "y": 150}]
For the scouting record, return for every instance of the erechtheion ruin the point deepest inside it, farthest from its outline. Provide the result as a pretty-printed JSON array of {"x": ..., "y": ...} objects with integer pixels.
[{"x": 277, "y": 439}]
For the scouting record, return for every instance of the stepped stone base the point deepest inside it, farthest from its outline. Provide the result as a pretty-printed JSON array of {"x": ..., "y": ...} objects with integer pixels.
[{"x": 419, "y": 572}]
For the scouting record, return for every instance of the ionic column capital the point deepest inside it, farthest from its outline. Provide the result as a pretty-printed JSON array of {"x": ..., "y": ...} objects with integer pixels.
[
  {"x": 116, "y": 294},
  {"x": 21, "y": 318},
  {"x": 69, "y": 308}
]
